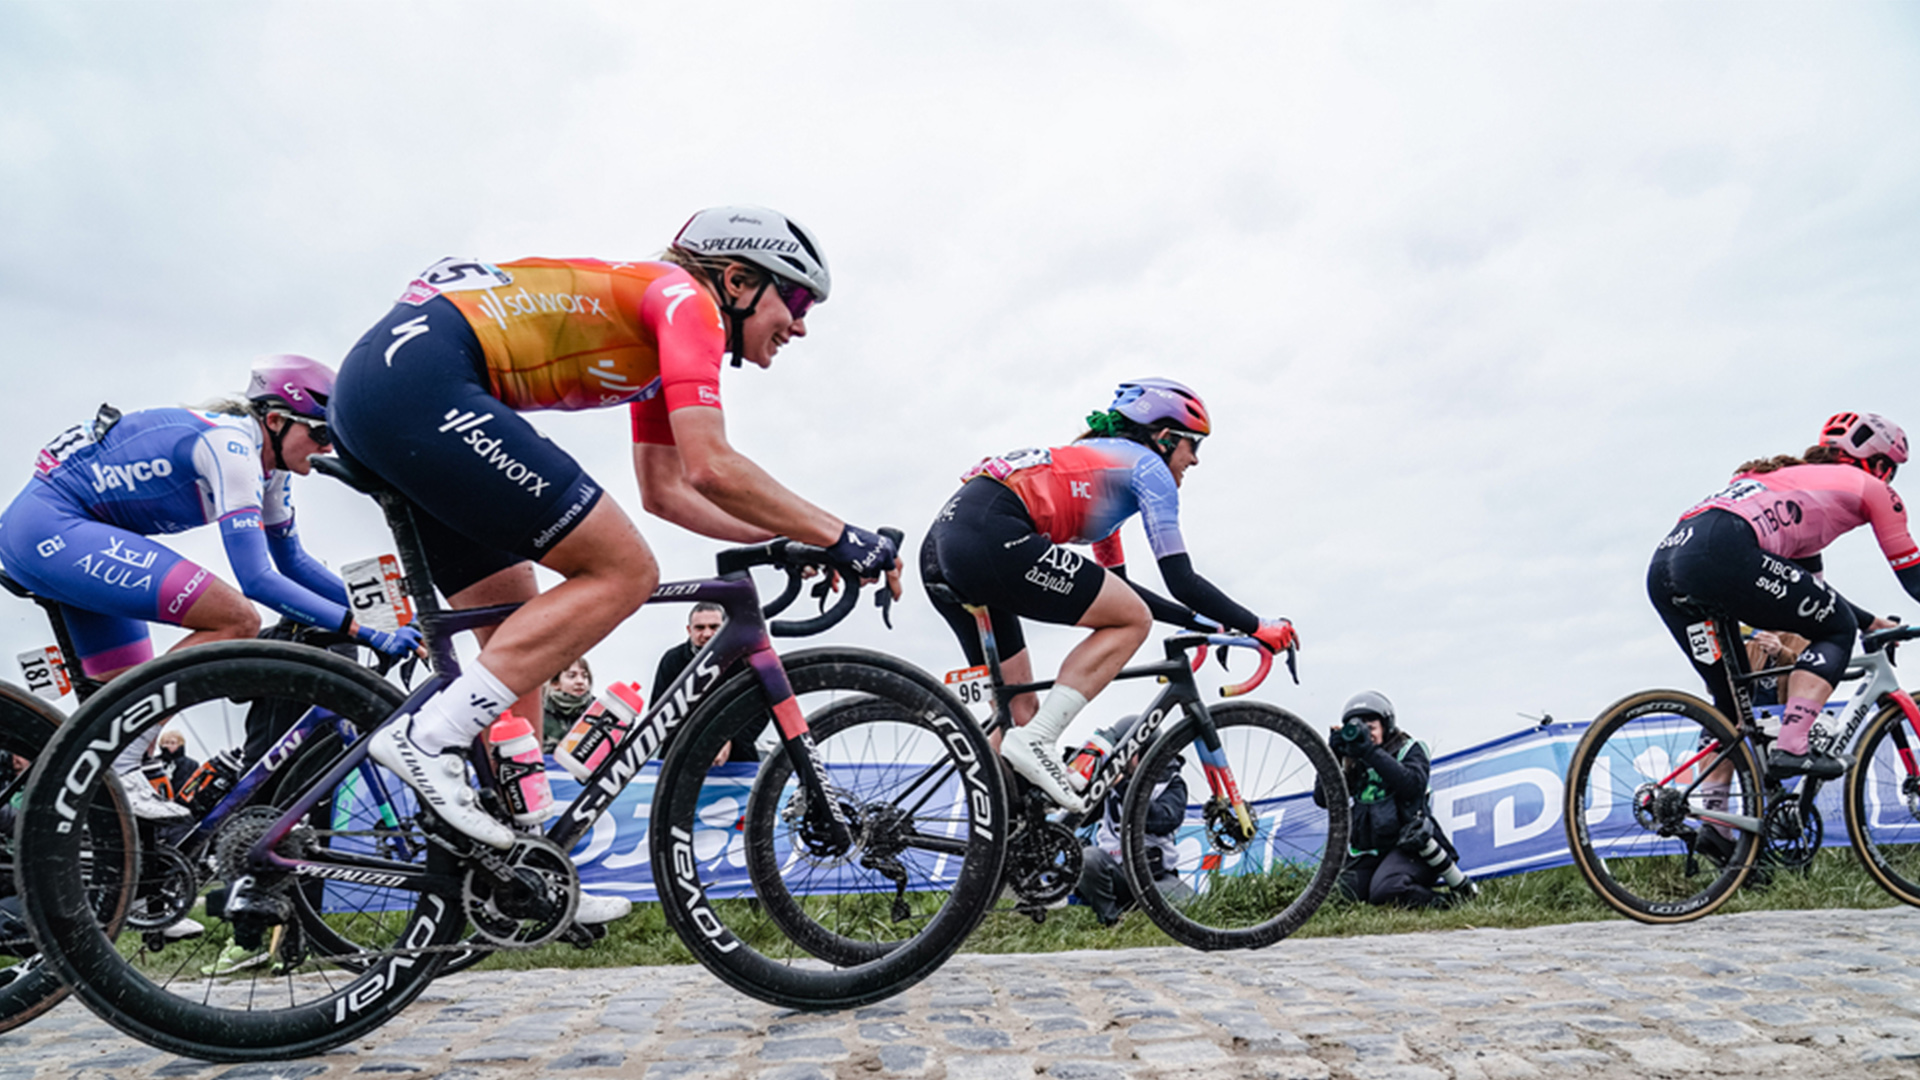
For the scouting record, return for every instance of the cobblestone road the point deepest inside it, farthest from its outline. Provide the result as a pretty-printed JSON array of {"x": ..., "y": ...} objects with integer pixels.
[{"x": 1761, "y": 995}]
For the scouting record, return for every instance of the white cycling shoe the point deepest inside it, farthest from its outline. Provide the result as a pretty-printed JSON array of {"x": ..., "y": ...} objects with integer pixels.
[
  {"x": 594, "y": 910},
  {"x": 186, "y": 927},
  {"x": 441, "y": 779},
  {"x": 146, "y": 803},
  {"x": 1035, "y": 758}
]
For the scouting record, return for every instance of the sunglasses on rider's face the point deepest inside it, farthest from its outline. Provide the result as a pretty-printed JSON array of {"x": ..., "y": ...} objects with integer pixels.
[
  {"x": 798, "y": 298},
  {"x": 318, "y": 429}
]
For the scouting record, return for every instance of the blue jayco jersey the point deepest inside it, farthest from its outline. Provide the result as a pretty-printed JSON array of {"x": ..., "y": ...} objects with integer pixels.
[{"x": 166, "y": 471}]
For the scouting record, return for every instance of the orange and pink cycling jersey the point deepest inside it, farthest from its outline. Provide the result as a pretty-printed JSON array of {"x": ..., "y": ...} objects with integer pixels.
[
  {"x": 585, "y": 334},
  {"x": 1797, "y": 511},
  {"x": 1081, "y": 493}
]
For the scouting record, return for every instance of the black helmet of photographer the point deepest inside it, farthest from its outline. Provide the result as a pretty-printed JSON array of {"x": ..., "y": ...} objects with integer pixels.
[{"x": 1370, "y": 705}]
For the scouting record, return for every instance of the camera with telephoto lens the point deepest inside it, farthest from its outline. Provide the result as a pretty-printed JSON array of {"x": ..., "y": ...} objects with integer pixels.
[
  {"x": 1350, "y": 739},
  {"x": 1418, "y": 841}
]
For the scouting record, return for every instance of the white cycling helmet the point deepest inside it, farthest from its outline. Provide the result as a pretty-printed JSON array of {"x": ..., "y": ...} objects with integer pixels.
[{"x": 766, "y": 238}]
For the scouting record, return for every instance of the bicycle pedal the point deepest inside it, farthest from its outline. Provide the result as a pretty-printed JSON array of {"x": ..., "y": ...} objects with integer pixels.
[{"x": 583, "y": 937}]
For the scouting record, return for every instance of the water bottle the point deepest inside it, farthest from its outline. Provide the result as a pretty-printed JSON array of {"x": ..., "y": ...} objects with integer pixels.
[
  {"x": 600, "y": 730},
  {"x": 210, "y": 782},
  {"x": 159, "y": 777},
  {"x": 522, "y": 769},
  {"x": 1088, "y": 758}
]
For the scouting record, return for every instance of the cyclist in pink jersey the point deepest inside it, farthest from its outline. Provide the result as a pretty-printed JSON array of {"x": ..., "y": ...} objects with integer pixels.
[
  {"x": 998, "y": 543},
  {"x": 1752, "y": 552}
]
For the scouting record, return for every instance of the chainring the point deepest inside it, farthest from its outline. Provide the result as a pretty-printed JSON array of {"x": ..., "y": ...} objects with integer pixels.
[
  {"x": 168, "y": 887},
  {"x": 1043, "y": 863},
  {"x": 1793, "y": 832},
  {"x": 524, "y": 898}
]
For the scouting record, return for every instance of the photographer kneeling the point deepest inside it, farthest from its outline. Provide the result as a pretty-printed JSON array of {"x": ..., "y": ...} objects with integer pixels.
[{"x": 1397, "y": 853}]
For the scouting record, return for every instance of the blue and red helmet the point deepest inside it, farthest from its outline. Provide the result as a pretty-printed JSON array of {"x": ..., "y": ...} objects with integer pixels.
[
  {"x": 297, "y": 384},
  {"x": 1153, "y": 403}
]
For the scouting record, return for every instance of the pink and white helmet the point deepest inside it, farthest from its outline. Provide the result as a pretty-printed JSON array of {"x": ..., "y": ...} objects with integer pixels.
[
  {"x": 1865, "y": 437},
  {"x": 1152, "y": 402},
  {"x": 296, "y": 383}
]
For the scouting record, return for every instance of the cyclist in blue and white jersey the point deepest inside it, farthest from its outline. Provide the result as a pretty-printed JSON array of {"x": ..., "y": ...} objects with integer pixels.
[{"x": 80, "y": 533}]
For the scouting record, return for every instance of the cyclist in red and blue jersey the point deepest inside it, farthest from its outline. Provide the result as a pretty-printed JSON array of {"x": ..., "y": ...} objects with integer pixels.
[
  {"x": 80, "y": 533},
  {"x": 999, "y": 543},
  {"x": 1752, "y": 552},
  {"x": 431, "y": 401}
]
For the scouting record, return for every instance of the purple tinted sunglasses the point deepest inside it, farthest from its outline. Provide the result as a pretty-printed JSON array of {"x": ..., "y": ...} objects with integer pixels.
[{"x": 798, "y": 298}]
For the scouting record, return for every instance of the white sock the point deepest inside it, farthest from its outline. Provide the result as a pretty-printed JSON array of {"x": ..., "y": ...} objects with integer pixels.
[
  {"x": 451, "y": 718},
  {"x": 1062, "y": 704}
]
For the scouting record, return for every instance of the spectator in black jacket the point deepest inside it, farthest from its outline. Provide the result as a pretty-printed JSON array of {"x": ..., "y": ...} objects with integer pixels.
[
  {"x": 1103, "y": 880},
  {"x": 1386, "y": 774},
  {"x": 702, "y": 623}
]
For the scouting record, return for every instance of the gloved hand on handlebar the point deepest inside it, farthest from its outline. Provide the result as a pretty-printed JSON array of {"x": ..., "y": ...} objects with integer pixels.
[
  {"x": 1277, "y": 635},
  {"x": 867, "y": 554},
  {"x": 399, "y": 642}
]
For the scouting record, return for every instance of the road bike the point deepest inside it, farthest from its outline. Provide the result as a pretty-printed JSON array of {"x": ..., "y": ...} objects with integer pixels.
[
  {"x": 433, "y": 886},
  {"x": 1670, "y": 809},
  {"x": 1257, "y": 865}
]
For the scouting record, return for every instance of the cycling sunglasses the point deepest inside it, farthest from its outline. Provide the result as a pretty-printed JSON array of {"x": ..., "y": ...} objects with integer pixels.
[
  {"x": 322, "y": 434},
  {"x": 798, "y": 298}
]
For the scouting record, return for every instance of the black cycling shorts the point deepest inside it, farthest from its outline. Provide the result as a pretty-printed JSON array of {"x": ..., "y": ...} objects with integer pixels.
[
  {"x": 983, "y": 546},
  {"x": 1712, "y": 562},
  {"x": 412, "y": 403}
]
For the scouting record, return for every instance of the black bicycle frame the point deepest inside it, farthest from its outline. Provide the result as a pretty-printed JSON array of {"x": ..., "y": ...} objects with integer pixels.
[{"x": 744, "y": 636}]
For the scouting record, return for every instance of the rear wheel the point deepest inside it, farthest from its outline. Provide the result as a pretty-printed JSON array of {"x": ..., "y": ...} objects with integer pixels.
[
  {"x": 758, "y": 895},
  {"x": 1232, "y": 887},
  {"x": 237, "y": 992},
  {"x": 27, "y": 986},
  {"x": 1883, "y": 804},
  {"x": 1639, "y": 779}
]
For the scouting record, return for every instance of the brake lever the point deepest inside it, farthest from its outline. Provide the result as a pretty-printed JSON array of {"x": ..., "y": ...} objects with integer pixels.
[
  {"x": 883, "y": 599},
  {"x": 822, "y": 590},
  {"x": 1220, "y": 655},
  {"x": 1291, "y": 668}
]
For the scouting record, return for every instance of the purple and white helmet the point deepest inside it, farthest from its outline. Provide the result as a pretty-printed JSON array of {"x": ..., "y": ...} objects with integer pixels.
[
  {"x": 296, "y": 383},
  {"x": 1152, "y": 402}
]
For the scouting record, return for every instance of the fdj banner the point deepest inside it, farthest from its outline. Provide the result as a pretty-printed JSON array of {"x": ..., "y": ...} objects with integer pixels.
[{"x": 1500, "y": 802}]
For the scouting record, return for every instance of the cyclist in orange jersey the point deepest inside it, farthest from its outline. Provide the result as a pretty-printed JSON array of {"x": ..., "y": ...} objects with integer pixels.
[{"x": 430, "y": 400}]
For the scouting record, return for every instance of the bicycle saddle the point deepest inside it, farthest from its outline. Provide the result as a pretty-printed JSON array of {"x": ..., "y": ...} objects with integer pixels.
[{"x": 351, "y": 473}]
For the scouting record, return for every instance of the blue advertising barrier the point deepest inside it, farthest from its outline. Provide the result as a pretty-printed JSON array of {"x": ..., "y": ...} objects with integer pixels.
[{"x": 1500, "y": 802}]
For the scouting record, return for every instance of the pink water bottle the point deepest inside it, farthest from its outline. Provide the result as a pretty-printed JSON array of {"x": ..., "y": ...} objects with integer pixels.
[
  {"x": 600, "y": 730},
  {"x": 523, "y": 771}
]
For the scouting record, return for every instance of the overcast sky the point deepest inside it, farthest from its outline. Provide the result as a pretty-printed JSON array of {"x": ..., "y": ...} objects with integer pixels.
[{"x": 1481, "y": 296}]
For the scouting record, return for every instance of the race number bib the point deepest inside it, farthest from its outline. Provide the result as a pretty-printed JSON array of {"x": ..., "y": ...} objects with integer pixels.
[
  {"x": 374, "y": 593},
  {"x": 973, "y": 686},
  {"x": 45, "y": 672},
  {"x": 1703, "y": 642}
]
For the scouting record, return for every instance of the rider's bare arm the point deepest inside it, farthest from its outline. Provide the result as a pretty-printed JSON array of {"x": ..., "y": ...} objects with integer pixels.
[{"x": 702, "y": 483}]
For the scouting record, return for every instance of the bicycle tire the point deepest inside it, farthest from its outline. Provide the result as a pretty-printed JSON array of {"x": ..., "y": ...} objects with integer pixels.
[
  {"x": 28, "y": 987},
  {"x": 1883, "y": 805},
  {"x": 1628, "y": 831},
  {"x": 1297, "y": 848},
  {"x": 165, "y": 998},
  {"x": 748, "y": 944}
]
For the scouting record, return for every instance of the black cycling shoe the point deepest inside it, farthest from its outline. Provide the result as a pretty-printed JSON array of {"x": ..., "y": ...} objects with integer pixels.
[{"x": 1818, "y": 766}]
